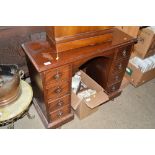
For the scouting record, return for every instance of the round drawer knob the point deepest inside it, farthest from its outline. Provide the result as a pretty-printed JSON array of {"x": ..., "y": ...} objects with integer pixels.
[
  {"x": 116, "y": 77},
  {"x": 124, "y": 53},
  {"x": 60, "y": 103},
  {"x": 57, "y": 76},
  {"x": 58, "y": 90},
  {"x": 113, "y": 88},
  {"x": 120, "y": 66},
  {"x": 60, "y": 113}
]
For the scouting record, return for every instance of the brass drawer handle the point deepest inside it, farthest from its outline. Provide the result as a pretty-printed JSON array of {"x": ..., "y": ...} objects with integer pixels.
[
  {"x": 124, "y": 53},
  {"x": 57, "y": 76},
  {"x": 113, "y": 88},
  {"x": 60, "y": 113},
  {"x": 120, "y": 66},
  {"x": 60, "y": 103},
  {"x": 116, "y": 77},
  {"x": 58, "y": 90}
]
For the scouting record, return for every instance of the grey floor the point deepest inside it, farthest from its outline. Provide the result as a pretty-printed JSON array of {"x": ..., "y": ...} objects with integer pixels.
[{"x": 135, "y": 108}]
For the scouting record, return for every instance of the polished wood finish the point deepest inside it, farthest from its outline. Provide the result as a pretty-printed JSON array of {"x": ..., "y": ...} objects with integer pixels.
[
  {"x": 53, "y": 124},
  {"x": 56, "y": 75},
  {"x": 58, "y": 103},
  {"x": 65, "y": 31},
  {"x": 119, "y": 66},
  {"x": 113, "y": 88},
  {"x": 123, "y": 52},
  {"x": 58, "y": 90},
  {"x": 62, "y": 112},
  {"x": 115, "y": 78},
  {"x": 70, "y": 37},
  {"x": 51, "y": 83}
]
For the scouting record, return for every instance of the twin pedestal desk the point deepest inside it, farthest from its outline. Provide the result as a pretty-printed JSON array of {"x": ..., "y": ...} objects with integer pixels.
[{"x": 51, "y": 73}]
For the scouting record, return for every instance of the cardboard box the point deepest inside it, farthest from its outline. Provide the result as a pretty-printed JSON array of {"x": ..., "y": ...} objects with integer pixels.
[
  {"x": 136, "y": 77},
  {"x": 84, "y": 108},
  {"x": 146, "y": 43}
]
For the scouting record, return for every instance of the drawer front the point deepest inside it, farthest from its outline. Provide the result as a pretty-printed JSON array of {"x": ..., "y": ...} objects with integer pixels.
[
  {"x": 119, "y": 66},
  {"x": 57, "y": 75},
  {"x": 123, "y": 52},
  {"x": 115, "y": 78},
  {"x": 57, "y": 104},
  {"x": 58, "y": 90},
  {"x": 113, "y": 88},
  {"x": 62, "y": 112}
]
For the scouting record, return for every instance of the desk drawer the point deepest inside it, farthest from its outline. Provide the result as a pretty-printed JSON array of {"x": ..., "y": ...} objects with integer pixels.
[
  {"x": 58, "y": 90},
  {"x": 119, "y": 66},
  {"x": 57, "y": 104},
  {"x": 123, "y": 52},
  {"x": 113, "y": 88},
  {"x": 115, "y": 78},
  {"x": 62, "y": 112},
  {"x": 57, "y": 74}
]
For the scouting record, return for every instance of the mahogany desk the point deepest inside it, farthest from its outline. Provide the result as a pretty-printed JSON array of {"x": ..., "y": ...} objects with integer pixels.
[{"x": 51, "y": 78}]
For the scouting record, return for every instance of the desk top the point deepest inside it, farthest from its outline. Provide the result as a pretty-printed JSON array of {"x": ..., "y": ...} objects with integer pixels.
[{"x": 43, "y": 56}]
